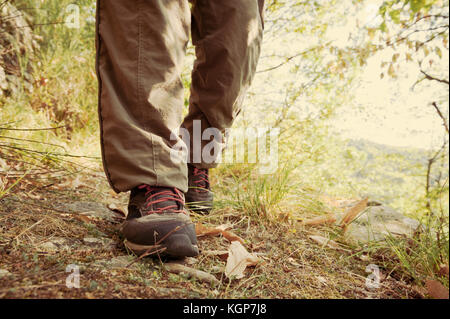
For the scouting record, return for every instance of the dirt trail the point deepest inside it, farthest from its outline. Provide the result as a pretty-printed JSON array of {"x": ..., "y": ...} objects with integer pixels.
[{"x": 48, "y": 234}]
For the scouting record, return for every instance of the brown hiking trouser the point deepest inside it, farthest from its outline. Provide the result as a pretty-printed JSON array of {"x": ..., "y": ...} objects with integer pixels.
[{"x": 141, "y": 45}]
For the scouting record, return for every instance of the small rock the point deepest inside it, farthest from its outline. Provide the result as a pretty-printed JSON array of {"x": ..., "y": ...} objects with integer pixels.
[
  {"x": 4, "y": 273},
  {"x": 104, "y": 243},
  {"x": 167, "y": 292},
  {"x": 48, "y": 246},
  {"x": 97, "y": 241},
  {"x": 377, "y": 223},
  {"x": 364, "y": 257},
  {"x": 54, "y": 244},
  {"x": 116, "y": 262},
  {"x": 91, "y": 209},
  {"x": 177, "y": 268},
  {"x": 322, "y": 280},
  {"x": 92, "y": 240}
]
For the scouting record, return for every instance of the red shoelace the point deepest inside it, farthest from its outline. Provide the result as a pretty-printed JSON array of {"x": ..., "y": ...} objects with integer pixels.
[
  {"x": 202, "y": 180},
  {"x": 155, "y": 195}
]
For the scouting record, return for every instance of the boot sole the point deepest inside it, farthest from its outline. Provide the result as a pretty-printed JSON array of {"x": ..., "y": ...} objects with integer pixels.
[
  {"x": 203, "y": 208},
  {"x": 171, "y": 234},
  {"x": 175, "y": 246}
]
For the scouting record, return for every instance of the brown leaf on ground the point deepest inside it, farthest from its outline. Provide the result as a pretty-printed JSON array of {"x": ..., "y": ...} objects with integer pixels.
[
  {"x": 115, "y": 209},
  {"x": 436, "y": 290},
  {"x": 325, "y": 241},
  {"x": 113, "y": 193},
  {"x": 232, "y": 237},
  {"x": 353, "y": 212},
  {"x": 200, "y": 275},
  {"x": 82, "y": 218},
  {"x": 239, "y": 259},
  {"x": 327, "y": 219},
  {"x": 202, "y": 230}
]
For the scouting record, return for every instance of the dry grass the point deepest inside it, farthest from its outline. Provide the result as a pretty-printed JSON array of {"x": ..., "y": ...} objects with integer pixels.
[{"x": 293, "y": 266}]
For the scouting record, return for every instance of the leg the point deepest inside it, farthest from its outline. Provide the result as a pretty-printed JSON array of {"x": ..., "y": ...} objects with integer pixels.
[
  {"x": 227, "y": 37},
  {"x": 140, "y": 49}
]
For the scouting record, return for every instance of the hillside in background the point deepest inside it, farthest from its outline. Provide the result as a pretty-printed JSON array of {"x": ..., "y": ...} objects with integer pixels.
[{"x": 393, "y": 175}]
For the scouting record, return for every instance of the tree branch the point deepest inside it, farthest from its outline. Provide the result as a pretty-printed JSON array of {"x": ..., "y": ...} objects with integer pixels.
[
  {"x": 441, "y": 116},
  {"x": 432, "y": 78},
  {"x": 287, "y": 60}
]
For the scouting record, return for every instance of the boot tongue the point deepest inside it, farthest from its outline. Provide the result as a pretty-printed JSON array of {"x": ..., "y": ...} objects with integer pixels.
[
  {"x": 163, "y": 198},
  {"x": 200, "y": 176}
]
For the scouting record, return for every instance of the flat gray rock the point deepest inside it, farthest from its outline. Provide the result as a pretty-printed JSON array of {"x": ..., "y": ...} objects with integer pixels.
[
  {"x": 90, "y": 209},
  {"x": 377, "y": 223},
  {"x": 116, "y": 262},
  {"x": 100, "y": 243},
  {"x": 69, "y": 244},
  {"x": 56, "y": 244}
]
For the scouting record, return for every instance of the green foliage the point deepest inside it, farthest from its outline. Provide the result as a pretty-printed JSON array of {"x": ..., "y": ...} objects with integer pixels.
[
  {"x": 65, "y": 85},
  {"x": 304, "y": 77}
]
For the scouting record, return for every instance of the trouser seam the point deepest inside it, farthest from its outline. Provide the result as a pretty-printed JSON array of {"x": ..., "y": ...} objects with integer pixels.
[
  {"x": 99, "y": 109},
  {"x": 139, "y": 94}
]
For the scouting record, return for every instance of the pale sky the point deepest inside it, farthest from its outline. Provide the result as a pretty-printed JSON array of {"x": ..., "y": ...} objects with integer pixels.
[
  {"x": 384, "y": 110},
  {"x": 394, "y": 114}
]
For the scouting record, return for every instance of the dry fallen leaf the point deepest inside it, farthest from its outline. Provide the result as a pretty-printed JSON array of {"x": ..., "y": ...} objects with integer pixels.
[
  {"x": 352, "y": 212},
  {"x": 113, "y": 193},
  {"x": 293, "y": 262},
  {"x": 230, "y": 236},
  {"x": 325, "y": 241},
  {"x": 328, "y": 219},
  {"x": 113, "y": 207},
  {"x": 79, "y": 217},
  {"x": 239, "y": 259},
  {"x": 202, "y": 230},
  {"x": 436, "y": 289}
]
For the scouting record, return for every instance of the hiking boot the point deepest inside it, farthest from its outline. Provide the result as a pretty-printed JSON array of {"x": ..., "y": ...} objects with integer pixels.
[
  {"x": 158, "y": 221},
  {"x": 199, "y": 197}
]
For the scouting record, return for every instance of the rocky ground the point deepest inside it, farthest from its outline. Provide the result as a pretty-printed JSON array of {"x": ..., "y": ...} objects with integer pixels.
[{"x": 49, "y": 232}]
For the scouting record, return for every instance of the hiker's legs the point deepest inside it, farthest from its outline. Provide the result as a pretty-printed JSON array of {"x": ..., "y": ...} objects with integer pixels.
[
  {"x": 227, "y": 37},
  {"x": 140, "y": 49}
]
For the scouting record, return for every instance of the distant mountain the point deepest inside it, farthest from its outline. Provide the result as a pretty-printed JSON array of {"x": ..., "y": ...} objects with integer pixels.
[
  {"x": 394, "y": 175},
  {"x": 415, "y": 155}
]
